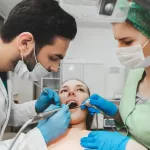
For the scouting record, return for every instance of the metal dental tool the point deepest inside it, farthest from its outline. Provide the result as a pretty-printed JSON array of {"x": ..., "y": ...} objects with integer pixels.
[
  {"x": 40, "y": 87},
  {"x": 70, "y": 105},
  {"x": 35, "y": 119},
  {"x": 87, "y": 103},
  {"x": 44, "y": 115}
]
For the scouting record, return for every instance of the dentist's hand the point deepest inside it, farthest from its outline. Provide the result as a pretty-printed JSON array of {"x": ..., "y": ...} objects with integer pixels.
[
  {"x": 56, "y": 125},
  {"x": 46, "y": 99},
  {"x": 105, "y": 140},
  {"x": 107, "y": 107}
]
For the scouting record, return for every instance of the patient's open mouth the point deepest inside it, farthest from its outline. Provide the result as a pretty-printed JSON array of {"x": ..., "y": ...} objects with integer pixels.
[{"x": 72, "y": 105}]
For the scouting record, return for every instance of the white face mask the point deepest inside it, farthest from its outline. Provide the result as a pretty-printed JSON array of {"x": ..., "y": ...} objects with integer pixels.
[
  {"x": 133, "y": 57},
  {"x": 36, "y": 74}
]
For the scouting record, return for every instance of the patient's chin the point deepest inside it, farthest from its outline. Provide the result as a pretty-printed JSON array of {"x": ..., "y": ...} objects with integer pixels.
[{"x": 77, "y": 116}]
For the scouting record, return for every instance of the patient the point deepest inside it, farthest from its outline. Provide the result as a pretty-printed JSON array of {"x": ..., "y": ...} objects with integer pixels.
[{"x": 74, "y": 91}]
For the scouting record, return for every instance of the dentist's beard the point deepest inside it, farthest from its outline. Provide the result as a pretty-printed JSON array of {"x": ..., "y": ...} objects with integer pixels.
[{"x": 28, "y": 60}]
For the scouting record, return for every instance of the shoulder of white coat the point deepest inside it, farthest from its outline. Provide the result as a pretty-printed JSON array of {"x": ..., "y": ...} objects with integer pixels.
[{"x": 35, "y": 140}]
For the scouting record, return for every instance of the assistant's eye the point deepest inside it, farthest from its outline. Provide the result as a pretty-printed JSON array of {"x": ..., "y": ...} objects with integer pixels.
[
  {"x": 62, "y": 91},
  {"x": 80, "y": 89},
  {"x": 128, "y": 42}
]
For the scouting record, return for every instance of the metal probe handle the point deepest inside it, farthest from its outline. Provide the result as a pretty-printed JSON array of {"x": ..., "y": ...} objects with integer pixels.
[
  {"x": 87, "y": 103},
  {"x": 40, "y": 87},
  {"x": 44, "y": 115}
]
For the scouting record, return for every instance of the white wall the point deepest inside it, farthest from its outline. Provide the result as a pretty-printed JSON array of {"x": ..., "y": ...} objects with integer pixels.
[
  {"x": 6, "y": 6},
  {"x": 23, "y": 90},
  {"x": 94, "y": 43}
]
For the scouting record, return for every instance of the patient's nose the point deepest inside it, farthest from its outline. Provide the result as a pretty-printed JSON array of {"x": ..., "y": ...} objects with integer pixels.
[{"x": 71, "y": 93}]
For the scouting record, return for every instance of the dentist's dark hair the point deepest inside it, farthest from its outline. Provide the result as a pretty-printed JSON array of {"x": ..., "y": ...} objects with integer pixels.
[{"x": 44, "y": 19}]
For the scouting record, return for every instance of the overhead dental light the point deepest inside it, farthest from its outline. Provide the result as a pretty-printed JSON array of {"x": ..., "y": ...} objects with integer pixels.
[{"x": 97, "y": 10}]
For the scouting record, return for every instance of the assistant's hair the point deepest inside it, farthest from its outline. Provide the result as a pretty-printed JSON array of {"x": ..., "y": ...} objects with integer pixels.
[
  {"x": 44, "y": 19},
  {"x": 89, "y": 118}
]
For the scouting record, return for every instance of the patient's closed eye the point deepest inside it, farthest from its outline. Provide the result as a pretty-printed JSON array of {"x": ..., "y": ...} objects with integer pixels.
[
  {"x": 64, "y": 90},
  {"x": 80, "y": 89}
]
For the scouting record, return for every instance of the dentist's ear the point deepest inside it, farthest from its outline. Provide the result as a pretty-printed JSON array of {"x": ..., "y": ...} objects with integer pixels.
[{"x": 25, "y": 43}]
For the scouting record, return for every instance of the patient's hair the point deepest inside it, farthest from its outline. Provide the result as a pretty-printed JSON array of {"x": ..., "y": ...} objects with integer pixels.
[
  {"x": 44, "y": 19},
  {"x": 89, "y": 118}
]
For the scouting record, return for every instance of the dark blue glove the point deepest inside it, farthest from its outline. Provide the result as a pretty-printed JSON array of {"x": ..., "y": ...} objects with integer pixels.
[
  {"x": 56, "y": 125},
  {"x": 107, "y": 107},
  {"x": 105, "y": 140},
  {"x": 46, "y": 99}
]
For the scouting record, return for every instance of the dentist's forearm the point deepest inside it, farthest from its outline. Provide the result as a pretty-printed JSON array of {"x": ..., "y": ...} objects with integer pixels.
[{"x": 132, "y": 145}]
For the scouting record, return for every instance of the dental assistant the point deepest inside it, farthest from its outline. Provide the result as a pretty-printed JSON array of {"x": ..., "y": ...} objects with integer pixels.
[
  {"x": 33, "y": 40},
  {"x": 133, "y": 51}
]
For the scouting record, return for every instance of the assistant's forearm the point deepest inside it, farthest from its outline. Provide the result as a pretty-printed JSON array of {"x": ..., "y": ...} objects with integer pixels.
[
  {"x": 133, "y": 145},
  {"x": 117, "y": 117}
]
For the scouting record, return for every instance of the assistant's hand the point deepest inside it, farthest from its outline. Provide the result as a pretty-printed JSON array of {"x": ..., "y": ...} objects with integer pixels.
[
  {"x": 46, "y": 99},
  {"x": 107, "y": 107},
  {"x": 56, "y": 125},
  {"x": 105, "y": 140}
]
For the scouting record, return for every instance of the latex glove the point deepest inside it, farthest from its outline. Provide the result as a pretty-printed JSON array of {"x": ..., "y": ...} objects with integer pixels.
[
  {"x": 105, "y": 140},
  {"x": 46, "y": 99},
  {"x": 56, "y": 125},
  {"x": 107, "y": 107},
  {"x": 51, "y": 107}
]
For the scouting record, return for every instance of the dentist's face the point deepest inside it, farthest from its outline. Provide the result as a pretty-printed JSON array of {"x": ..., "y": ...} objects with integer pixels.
[
  {"x": 24, "y": 46},
  {"x": 51, "y": 55},
  {"x": 74, "y": 91}
]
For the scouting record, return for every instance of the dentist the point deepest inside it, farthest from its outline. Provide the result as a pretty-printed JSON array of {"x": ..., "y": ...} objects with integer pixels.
[{"x": 33, "y": 40}]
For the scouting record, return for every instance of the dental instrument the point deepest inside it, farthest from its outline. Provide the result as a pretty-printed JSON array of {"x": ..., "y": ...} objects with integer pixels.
[
  {"x": 35, "y": 119},
  {"x": 40, "y": 87},
  {"x": 87, "y": 103},
  {"x": 46, "y": 114}
]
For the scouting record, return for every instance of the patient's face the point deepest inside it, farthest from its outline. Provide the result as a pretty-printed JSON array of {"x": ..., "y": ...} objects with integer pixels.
[{"x": 77, "y": 92}]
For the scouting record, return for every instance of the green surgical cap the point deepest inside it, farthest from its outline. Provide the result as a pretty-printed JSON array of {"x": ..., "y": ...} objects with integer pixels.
[{"x": 140, "y": 18}]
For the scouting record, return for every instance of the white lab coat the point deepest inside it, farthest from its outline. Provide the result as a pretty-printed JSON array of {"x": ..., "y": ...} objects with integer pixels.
[{"x": 16, "y": 115}]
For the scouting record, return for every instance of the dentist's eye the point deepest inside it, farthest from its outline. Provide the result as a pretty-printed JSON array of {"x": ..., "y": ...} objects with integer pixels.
[{"x": 52, "y": 58}]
